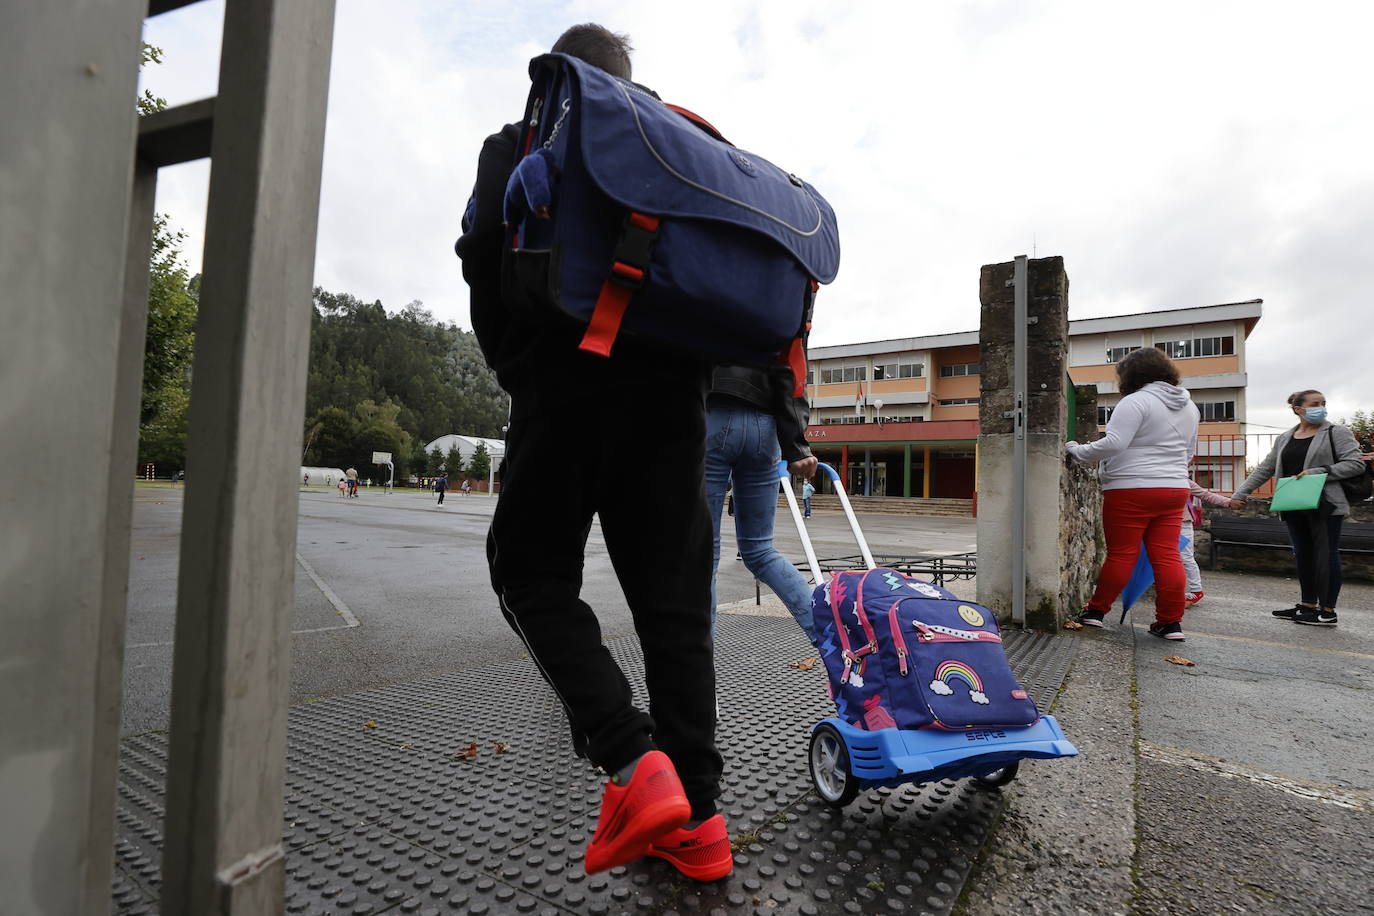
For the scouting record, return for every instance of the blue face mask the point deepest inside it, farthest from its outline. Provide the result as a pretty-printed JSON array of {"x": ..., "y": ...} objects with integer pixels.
[{"x": 1314, "y": 414}]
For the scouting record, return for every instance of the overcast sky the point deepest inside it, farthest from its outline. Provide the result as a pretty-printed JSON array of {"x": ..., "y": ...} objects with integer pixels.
[{"x": 1175, "y": 154}]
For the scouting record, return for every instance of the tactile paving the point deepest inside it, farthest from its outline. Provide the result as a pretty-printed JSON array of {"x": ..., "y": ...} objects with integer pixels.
[{"x": 385, "y": 813}]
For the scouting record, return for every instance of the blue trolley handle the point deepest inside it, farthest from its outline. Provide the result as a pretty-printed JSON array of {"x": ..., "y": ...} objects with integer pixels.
[{"x": 784, "y": 475}]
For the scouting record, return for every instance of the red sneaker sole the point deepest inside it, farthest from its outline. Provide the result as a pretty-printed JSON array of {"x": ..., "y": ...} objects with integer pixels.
[{"x": 713, "y": 872}]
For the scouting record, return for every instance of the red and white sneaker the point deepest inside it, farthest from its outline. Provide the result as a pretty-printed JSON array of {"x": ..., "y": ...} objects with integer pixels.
[
  {"x": 702, "y": 854},
  {"x": 650, "y": 805},
  {"x": 1193, "y": 597}
]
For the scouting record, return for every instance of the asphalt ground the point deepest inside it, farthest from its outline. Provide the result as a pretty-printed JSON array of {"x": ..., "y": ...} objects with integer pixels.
[
  {"x": 414, "y": 578},
  {"x": 1242, "y": 784}
]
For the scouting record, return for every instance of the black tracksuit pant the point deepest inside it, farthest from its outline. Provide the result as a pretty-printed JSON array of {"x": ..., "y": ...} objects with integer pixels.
[{"x": 633, "y": 454}]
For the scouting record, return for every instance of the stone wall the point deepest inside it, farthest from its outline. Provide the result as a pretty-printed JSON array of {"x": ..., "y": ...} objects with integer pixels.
[{"x": 1063, "y": 545}]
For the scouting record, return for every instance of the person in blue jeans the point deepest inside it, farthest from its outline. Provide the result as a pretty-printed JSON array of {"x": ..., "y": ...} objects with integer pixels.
[
  {"x": 752, "y": 421},
  {"x": 808, "y": 489}
]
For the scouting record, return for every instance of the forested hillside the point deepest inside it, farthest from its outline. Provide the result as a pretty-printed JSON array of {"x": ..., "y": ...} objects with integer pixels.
[{"x": 392, "y": 382}]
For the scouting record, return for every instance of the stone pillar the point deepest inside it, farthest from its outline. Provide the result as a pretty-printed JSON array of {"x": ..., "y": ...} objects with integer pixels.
[
  {"x": 1063, "y": 543},
  {"x": 1086, "y": 416}
]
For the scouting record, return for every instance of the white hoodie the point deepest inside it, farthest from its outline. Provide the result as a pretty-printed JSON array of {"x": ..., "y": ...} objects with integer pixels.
[{"x": 1150, "y": 440}]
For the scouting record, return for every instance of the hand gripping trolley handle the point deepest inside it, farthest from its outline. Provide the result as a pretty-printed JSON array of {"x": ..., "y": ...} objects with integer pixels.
[{"x": 844, "y": 759}]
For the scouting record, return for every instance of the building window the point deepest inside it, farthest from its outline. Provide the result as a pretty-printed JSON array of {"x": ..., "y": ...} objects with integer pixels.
[
  {"x": 840, "y": 420},
  {"x": 885, "y": 371},
  {"x": 1214, "y": 474},
  {"x": 844, "y": 374},
  {"x": 956, "y": 369},
  {"x": 959, "y": 402},
  {"x": 1217, "y": 411},
  {"x": 810, "y": 376},
  {"x": 1114, "y": 354},
  {"x": 1103, "y": 415},
  {"x": 1197, "y": 346}
]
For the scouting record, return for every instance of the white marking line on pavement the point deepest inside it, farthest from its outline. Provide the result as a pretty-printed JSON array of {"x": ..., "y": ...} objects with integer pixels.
[
  {"x": 344, "y": 612},
  {"x": 1279, "y": 645},
  {"x": 349, "y": 620},
  {"x": 1313, "y": 791}
]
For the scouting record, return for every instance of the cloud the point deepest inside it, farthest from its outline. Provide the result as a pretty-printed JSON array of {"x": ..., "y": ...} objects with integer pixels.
[
  {"x": 978, "y": 697},
  {"x": 941, "y": 688}
]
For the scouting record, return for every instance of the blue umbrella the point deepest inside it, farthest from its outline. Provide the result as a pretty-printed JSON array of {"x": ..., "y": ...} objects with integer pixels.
[{"x": 1142, "y": 577}]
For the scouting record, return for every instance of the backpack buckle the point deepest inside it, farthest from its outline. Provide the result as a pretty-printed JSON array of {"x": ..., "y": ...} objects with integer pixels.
[{"x": 633, "y": 249}]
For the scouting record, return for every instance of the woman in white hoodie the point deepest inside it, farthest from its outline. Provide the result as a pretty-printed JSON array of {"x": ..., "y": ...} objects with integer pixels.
[{"x": 1144, "y": 457}]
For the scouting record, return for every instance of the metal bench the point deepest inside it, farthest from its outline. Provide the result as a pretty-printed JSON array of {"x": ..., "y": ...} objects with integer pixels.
[{"x": 1235, "y": 531}]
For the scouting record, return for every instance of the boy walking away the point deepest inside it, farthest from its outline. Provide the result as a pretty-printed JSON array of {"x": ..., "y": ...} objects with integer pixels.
[
  {"x": 441, "y": 487},
  {"x": 808, "y": 490},
  {"x": 641, "y": 401}
]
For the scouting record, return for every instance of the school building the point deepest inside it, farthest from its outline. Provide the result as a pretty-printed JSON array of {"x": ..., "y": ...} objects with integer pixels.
[{"x": 900, "y": 417}]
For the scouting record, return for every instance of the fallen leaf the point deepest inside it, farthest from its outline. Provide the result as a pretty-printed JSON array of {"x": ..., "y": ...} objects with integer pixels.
[
  {"x": 470, "y": 752},
  {"x": 1177, "y": 660},
  {"x": 1072, "y": 625},
  {"x": 369, "y": 724},
  {"x": 405, "y": 745},
  {"x": 804, "y": 665},
  {"x": 501, "y": 746}
]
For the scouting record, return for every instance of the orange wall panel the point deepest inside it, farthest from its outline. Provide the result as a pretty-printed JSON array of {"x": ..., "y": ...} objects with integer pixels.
[{"x": 961, "y": 386}]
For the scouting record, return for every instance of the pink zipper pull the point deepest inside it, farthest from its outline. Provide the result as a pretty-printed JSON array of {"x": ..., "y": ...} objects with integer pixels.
[{"x": 901, "y": 661}]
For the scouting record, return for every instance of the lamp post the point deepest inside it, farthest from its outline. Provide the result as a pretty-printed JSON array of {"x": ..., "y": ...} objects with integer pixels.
[{"x": 878, "y": 411}]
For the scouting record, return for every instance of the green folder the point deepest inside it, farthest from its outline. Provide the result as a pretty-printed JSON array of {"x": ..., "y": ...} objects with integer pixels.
[{"x": 1293, "y": 494}]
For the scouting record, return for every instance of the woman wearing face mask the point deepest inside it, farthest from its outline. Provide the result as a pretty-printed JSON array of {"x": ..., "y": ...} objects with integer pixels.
[{"x": 1314, "y": 446}]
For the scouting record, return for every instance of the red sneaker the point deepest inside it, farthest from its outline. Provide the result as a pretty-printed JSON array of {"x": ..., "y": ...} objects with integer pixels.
[
  {"x": 1193, "y": 597},
  {"x": 702, "y": 854},
  {"x": 652, "y": 804}
]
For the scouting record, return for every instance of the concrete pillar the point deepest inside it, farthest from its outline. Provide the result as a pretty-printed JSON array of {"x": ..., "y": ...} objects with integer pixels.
[
  {"x": 68, "y": 77},
  {"x": 222, "y": 850},
  {"x": 844, "y": 466},
  {"x": 1062, "y": 548},
  {"x": 925, "y": 473},
  {"x": 906, "y": 470}
]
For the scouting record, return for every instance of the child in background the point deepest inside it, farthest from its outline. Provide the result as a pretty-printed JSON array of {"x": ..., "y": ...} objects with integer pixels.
[{"x": 1192, "y": 516}]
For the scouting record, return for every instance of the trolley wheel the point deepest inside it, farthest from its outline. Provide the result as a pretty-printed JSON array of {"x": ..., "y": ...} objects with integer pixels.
[
  {"x": 998, "y": 778},
  {"x": 830, "y": 774}
]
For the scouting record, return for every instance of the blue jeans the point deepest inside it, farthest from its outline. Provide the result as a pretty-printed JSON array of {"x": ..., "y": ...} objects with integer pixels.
[{"x": 742, "y": 443}]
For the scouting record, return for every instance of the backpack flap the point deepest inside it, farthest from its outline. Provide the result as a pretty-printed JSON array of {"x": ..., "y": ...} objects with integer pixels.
[{"x": 727, "y": 266}]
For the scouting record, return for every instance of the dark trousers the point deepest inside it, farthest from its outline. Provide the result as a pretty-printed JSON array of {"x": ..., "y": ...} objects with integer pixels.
[
  {"x": 441, "y": 498},
  {"x": 1316, "y": 538},
  {"x": 634, "y": 456}
]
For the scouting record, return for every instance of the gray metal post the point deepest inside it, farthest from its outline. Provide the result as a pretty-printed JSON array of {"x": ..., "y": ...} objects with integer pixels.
[
  {"x": 1018, "y": 551},
  {"x": 68, "y": 78},
  {"x": 222, "y": 851}
]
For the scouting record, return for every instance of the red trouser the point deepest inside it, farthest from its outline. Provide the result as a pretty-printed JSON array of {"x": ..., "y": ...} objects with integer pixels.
[{"x": 1154, "y": 515}]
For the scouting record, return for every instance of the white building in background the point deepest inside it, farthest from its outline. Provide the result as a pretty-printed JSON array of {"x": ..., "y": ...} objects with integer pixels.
[{"x": 466, "y": 445}]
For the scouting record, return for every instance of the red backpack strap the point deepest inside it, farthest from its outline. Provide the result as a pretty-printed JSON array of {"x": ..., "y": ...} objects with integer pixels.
[
  {"x": 794, "y": 357},
  {"x": 629, "y": 266},
  {"x": 699, "y": 121}
]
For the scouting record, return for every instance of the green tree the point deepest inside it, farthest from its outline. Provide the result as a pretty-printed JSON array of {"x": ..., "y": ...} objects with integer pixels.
[
  {"x": 434, "y": 462},
  {"x": 332, "y": 436},
  {"x": 418, "y": 463},
  {"x": 480, "y": 465},
  {"x": 148, "y": 103},
  {"x": 173, "y": 301},
  {"x": 454, "y": 463}
]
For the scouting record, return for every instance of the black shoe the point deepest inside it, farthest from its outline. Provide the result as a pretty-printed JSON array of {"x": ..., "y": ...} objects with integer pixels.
[
  {"x": 1289, "y": 613},
  {"x": 1091, "y": 618},
  {"x": 1167, "y": 631},
  {"x": 1315, "y": 617}
]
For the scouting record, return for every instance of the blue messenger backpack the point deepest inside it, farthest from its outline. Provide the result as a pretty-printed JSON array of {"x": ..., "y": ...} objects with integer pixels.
[
  {"x": 635, "y": 217},
  {"x": 903, "y": 653}
]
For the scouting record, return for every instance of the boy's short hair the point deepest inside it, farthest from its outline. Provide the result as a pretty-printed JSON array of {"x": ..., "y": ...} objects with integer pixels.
[{"x": 598, "y": 46}]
